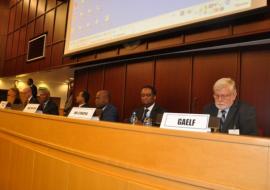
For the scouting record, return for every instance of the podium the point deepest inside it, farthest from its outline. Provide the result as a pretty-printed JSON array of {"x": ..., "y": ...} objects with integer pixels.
[{"x": 43, "y": 152}]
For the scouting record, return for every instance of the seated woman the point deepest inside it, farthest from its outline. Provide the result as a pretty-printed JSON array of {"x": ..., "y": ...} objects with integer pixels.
[{"x": 14, "y": 100}]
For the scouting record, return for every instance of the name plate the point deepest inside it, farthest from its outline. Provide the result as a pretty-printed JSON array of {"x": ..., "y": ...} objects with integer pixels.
[
  {"x": 31, "y": 108},
  {"x": 3, "y": 104},
  {"x": 186, "y": 122},
  {"x": 82, "y": 113}
]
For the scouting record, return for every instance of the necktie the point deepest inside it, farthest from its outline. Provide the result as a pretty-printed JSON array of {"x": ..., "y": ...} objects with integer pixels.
[
  {"x": 144, "y": 114},
  {"x": 223, "y": 118}
]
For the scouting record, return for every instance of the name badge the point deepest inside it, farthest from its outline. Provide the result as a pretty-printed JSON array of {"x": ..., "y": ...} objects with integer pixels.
[
  {"x": 82, "y": 113},
  {"x": 31, "y": 108},
  {"x": 3, "y": 104},
  {"x": 186, "y": 122},
  {"x": 234, "y": 132}
]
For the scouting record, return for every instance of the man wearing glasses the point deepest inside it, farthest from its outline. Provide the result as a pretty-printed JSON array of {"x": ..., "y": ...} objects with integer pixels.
[{"x": 233, "y": 114}]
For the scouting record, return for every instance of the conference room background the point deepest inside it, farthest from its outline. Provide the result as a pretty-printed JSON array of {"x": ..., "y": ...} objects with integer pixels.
[{"x": 183, "y": 80}]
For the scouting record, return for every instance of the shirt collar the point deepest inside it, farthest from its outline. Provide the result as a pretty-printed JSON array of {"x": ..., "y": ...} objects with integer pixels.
[
  {"x": 150, "y": 107},
  {"x": 30, "y": 98}
]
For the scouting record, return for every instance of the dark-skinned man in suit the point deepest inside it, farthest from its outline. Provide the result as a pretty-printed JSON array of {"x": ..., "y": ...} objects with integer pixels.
[
  {"x": 149, "y": 106},
  {"x": 233, "y": 114},
  {"x": 107, "y": 111}
]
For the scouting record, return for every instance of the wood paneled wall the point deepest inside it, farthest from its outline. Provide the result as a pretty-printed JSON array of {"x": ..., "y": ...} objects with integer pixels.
[
  {"x": 4, "y": 14},
  {"x": 184, "y": 83},
  {"x": 29, "y": 19}
]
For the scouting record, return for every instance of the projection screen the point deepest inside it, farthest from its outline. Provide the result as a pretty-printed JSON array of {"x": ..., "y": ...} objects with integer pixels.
[{"x": 96, "y": 23}]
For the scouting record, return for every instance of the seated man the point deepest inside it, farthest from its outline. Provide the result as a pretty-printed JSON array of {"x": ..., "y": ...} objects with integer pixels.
[
  {"x": 47, "y": 106},
  {"x": 14, "y": 99},
  {"x": 233, "y": 114},
  {"x": 82, "y": 99},
  {"x": 29, "y": 98},
  {"x": 149, "y": 107},
  {"x": 107, "y": 111}
]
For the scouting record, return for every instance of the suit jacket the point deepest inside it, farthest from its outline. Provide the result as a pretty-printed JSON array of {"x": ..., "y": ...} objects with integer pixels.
[
  {"x": 240, "y": 116},
  {"x": 34, "y": 90},
  {"x": 50, "y": 108},
  {"x": 109, "y": 113},
  {"x": 155, "y": 115}
]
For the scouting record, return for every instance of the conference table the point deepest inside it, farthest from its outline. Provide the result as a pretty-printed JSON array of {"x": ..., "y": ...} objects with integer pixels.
[{"x": 44, "y": 152}]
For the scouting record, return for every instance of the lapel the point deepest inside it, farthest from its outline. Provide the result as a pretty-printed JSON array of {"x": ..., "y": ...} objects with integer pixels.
[
  {"x": 153, "y": 112},
  {"x": 140, "y": 113},
  {"x": 229, "y": 122}
]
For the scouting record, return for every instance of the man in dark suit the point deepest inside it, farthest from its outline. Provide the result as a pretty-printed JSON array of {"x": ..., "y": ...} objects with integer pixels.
[
  {"x": 233, "y": 114},
  {"x": 47, "y": 106},
  {"x": 105, "y": 110},
  {"x": 33, "y": 87},
  {"x": 29, "y": 98},
  {"x": 82, "y": 99},
  {"x": 149, "y": 107}
]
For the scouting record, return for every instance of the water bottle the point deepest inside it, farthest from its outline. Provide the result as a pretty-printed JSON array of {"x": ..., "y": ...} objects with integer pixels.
[
  {"x": 147, "y": 121},
  {"x": 134, "y": 118}
]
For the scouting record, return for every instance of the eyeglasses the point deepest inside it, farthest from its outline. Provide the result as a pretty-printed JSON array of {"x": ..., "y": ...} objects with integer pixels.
[{"x": 222, "y": 96}]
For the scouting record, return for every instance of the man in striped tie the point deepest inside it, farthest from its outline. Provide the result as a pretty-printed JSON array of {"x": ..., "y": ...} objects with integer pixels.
[{"x": 233, "y": 114}]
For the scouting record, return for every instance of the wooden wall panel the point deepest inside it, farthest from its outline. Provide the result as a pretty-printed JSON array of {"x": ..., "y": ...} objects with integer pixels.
[
  {"x": 253, "y": 24},
  {"x": 15, "y": 44},
  {"x": 20, "y": 63},
  {"x": 173, "y": 77},
  {"x": 255, "y": 78},
  {"x": 4, "y": 19},
  {"x": 207, "y": 33},
  {"x": 57, "y": 54},
  {"x": 18, "y": 15},
  {"x": 50, "y": 4},
  {"x": 95, "y": 83},
  {"x": 206, "y": 70},
  {"x": 12, "y": 66},
  {"x": 48, "y": 25},
  {"x": 47, "y": 63},
  {"x": 32, "y": 10},
  {"x": 12, "y": 16},
  {"x": 166, "y": 42},
  {"x": 137, "y": 75},
  {"x": 114, "y": 81},
  {"x": 26, "y": 4},
  {"x": 39, "y": 26},
  {"x": 41, "y": 7},
  {"x": 60, "y": 23},
  {"x": 30, "y": 32},
  {"x": 9, "y": 46},
  {"x": 22, "y": 41}
]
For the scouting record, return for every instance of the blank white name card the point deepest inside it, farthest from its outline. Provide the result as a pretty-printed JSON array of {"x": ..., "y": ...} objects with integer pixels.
[
  {"x": 3, "y": 104},
  {"x": 31, "y": 108},
  {"x": 186, "y": 122},
  {"x": 82, "y": 113}
]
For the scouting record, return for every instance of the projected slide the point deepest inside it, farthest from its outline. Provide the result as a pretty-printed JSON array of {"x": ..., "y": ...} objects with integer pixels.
[{"x": 94, "y": 23}]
